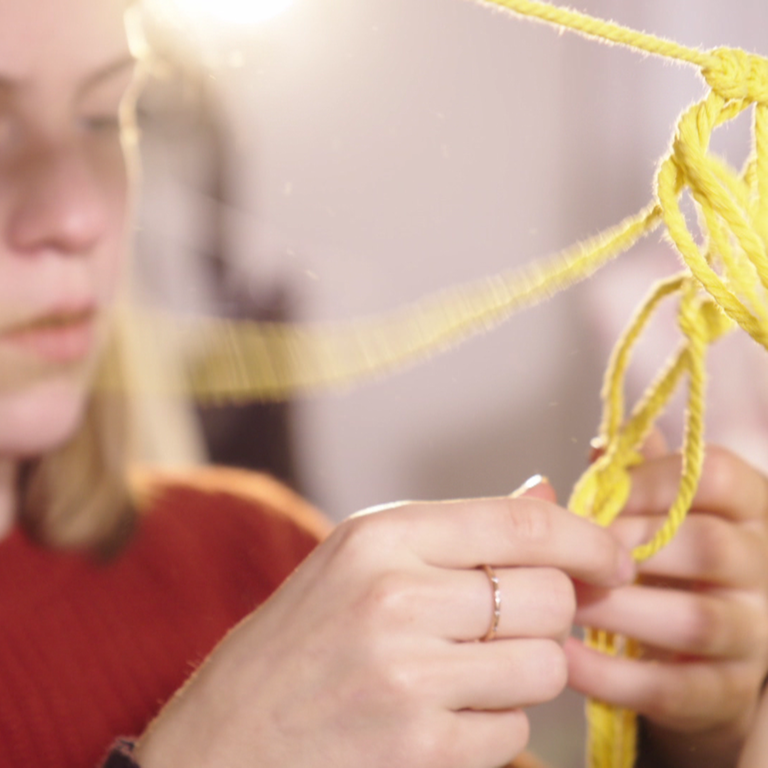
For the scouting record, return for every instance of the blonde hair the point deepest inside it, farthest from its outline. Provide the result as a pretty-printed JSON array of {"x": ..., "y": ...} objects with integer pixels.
[{"x": 78, "y": 496}]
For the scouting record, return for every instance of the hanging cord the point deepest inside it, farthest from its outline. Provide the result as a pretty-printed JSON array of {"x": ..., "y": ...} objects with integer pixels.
[{"x": 273, "y": 361}]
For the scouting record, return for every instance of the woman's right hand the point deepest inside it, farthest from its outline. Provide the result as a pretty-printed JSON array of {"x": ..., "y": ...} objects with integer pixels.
[{"x": 367, "y": 654}]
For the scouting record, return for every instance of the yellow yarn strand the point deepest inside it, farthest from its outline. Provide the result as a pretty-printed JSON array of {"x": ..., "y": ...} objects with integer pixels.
[
  {"x": 271, "y": 361},
  {"x": 722, "y": 285}
]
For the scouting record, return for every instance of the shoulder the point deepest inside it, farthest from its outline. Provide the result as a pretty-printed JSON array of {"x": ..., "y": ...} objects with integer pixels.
[
  {"x": 231, "y": 519},
  {"x": 238, "y": 491}
]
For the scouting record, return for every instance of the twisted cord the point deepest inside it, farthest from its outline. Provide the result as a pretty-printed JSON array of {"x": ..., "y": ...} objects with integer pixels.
[
  {"x": 605, "y": 31},
  {"x": 272, "y": 361}
]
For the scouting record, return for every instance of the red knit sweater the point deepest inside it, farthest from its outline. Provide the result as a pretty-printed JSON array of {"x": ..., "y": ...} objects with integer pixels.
[{"x": 91, "y": 651}]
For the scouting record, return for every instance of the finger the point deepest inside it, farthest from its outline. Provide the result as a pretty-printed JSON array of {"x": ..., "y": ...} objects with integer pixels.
[
  {"x": 706, "y": 548},
  {"x": 672, "y": 620},
  {"x": 458, "y": 605},
  {"x": 729, "y": 487},
  {"x": 536, "y": 487},
  {"x": 677, "y": 694},
  {"x": 447, "y": 739},
  {"x": 534, "y": 602},
  {"x": 655, "y": 445},
  {"x": 504, "y": 674},
  {"x": 502, "y": 532},
  {"x": 484, "y": 739}
]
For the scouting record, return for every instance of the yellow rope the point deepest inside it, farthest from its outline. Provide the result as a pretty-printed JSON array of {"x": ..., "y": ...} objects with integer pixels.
[
  {"x": 733, "y": 211},
  {"x": 723, "y": 284},
  {"x": 271, "y": 361}
]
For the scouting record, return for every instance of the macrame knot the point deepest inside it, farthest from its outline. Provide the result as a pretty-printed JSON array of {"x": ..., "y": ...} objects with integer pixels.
[
  {"x": 737, "y": 75},
  {"x": 604, "y": 488},
  {"x": 714, "y": 321}
]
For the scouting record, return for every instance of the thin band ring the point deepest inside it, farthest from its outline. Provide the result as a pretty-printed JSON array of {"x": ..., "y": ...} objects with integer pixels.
[{"x": 494, "y": 625}]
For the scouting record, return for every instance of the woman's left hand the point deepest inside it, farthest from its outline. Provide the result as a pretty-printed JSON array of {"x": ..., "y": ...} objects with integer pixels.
[{"x": 699, "y": 610}]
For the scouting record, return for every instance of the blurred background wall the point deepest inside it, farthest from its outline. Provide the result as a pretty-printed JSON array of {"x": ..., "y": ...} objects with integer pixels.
[{"x": 349, "y": 156}]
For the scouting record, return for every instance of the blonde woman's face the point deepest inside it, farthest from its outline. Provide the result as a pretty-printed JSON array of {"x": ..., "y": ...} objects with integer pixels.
[{"x": 65, "y": 66}]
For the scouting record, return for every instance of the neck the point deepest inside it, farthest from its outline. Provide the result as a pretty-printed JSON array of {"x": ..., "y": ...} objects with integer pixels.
[{"x": 8, "y": 493}]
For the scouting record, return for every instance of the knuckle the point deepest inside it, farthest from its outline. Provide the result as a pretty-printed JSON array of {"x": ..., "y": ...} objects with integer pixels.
[
  {"x": 711, "y": 543},
  {"x": 720, "y": 472},
  {"x": 603, "y": 551},
  {"x": 365, "y": 540},
  {"x": 420, "y": 739},
  {"x": 519, "y": 730},
  {"x": 558, "y": 601},
  {"x": 550, "y": 668},
  {"x": 395, "y": 684},
  {"x": 666, "y": 702},
  {"x": 528, "y": 524},
  {"x": 701, "y": 627},
  {"x": 428, "y": 746},
  {"x": 390, "y": 601},
  {"x": 361, "y": 538},
  {"x": 399, "y": 681},
  {"x": 675, "y": 697}
]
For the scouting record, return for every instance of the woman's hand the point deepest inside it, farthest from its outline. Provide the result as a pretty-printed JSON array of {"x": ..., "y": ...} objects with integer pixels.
[
  {"x": 700, "y": 611},
  {"x": 368, "y": 656}
]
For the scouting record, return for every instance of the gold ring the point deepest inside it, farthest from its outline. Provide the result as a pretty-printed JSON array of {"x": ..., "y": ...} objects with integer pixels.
[{"x": 494, "y": 626}]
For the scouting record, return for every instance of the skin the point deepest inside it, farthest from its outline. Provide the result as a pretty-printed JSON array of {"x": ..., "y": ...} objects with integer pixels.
[{"x": 700, "y": 610}]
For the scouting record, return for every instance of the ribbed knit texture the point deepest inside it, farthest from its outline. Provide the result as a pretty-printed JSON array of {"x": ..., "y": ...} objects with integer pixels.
[{"x": 91, "y": 651}]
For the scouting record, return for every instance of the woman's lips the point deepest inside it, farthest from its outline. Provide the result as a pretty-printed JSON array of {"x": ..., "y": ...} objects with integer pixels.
[{"x": 59, "y": 338}]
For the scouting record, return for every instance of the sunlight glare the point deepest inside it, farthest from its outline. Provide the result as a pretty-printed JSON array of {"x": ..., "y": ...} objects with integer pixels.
[{"x": 230, "y": 12}]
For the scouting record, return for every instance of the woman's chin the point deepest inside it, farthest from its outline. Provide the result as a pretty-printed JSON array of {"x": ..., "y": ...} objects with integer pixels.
[{"x": 40, "y": 418}]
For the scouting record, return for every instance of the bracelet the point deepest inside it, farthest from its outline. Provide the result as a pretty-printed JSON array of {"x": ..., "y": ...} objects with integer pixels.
[{"x": 121, "y": 755}]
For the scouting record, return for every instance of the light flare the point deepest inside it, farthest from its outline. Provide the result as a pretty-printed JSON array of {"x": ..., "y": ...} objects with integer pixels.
[{"x": 226, "y": 12}]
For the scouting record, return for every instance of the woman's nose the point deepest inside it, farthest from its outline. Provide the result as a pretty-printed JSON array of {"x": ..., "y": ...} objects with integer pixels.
[{"x": 59, "y": 205}]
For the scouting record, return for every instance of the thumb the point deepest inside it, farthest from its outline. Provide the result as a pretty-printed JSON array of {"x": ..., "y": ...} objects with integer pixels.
[
  {"x": 536, "y": 487},
  {"x": 654, "y": 447}
]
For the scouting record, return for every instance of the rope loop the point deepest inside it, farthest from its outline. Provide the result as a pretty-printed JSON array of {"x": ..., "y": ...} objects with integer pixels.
[
  {"x": 715, "y": 322},
  {"x": 730, "y": 261},
  {"x": 602, "y": 491},
  {"x": 735, "y": 74}
]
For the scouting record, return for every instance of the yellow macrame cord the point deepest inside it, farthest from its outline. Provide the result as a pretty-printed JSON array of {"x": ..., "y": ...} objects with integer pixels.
[{"x": 722, "y": 285}]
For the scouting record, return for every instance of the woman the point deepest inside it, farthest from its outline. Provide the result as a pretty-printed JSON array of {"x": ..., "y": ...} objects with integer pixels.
[{"x": 368, "y": 655}]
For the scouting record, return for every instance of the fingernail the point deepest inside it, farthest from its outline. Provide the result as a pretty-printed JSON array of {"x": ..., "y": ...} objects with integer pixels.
[
  {"x": 531, "y": 482},
  {"x": 596, "y": 449}
]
